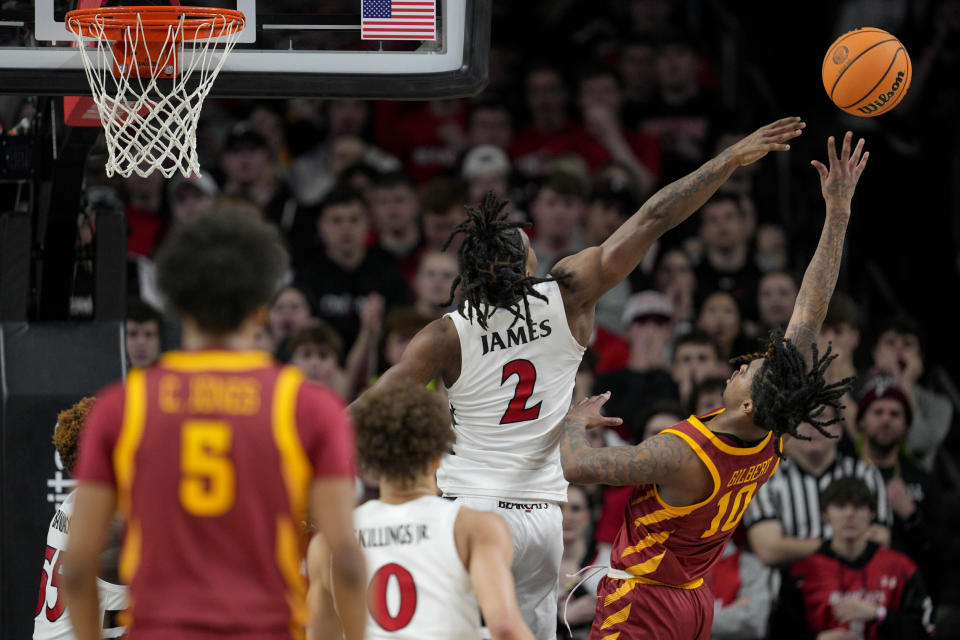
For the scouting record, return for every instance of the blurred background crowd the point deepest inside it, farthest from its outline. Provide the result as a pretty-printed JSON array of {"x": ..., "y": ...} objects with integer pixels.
[{"x": 590, "y": 108}]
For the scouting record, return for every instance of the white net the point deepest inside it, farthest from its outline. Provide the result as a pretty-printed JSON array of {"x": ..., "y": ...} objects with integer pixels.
[{"x": 150, "y": 122}]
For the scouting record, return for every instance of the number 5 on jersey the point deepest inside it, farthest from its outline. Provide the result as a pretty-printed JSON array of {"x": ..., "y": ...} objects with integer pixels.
[
  {"x": 526, "y": 373},
  {"x": 207, "y": 475}
]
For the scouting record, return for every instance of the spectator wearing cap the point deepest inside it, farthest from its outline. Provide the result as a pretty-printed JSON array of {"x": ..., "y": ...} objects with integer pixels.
[
  {"x": 899, "y": 351},
  {"x": 610, "y": 204},
  {"x": 486, "y": 168},
  {"x": 250, "y": 172},
  {"x": 557, "y": 211},
  {"x": 646, "y": 378},
  {"x": 883, "y": 418},
  {"x": 192, "y": 197}
]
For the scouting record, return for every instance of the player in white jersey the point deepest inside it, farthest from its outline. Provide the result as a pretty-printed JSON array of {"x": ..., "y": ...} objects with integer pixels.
[
  {"x": 52, "y": 621},
  {"x": 508, "y": 358},
  {"x": 433, "y": 565}
]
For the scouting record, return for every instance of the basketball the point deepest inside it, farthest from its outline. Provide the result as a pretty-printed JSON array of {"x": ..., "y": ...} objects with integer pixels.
[{"x": 866, "y": 72}]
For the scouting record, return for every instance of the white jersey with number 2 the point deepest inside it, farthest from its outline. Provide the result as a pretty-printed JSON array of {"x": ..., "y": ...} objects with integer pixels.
[
  {"x": 514, "y": 388},
  {"x": 51, "y": 621},
  {"x": 418, "y": 586}
]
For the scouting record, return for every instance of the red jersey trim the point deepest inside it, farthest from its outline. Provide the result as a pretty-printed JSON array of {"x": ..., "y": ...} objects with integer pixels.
[
  {"x": 189, "y": 361},
  {"x": 720, "y": 444}
]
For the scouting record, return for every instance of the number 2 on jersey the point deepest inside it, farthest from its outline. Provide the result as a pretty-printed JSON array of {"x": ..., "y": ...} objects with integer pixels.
[
  {"x": 526, "y": 373},
  {"x": 207, "y": 476}
]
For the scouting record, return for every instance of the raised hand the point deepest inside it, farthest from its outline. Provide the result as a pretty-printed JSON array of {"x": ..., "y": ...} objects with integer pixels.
[
  {"x": 839, "y": 181},
  {"x": 772, "y": 137},
  {"x": 588, "y": 410}
]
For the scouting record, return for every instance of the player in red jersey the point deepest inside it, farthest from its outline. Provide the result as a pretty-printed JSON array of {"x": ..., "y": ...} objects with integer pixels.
[
  {"x": 213, "y": 455},
  {"x": 695, "y": 481}
]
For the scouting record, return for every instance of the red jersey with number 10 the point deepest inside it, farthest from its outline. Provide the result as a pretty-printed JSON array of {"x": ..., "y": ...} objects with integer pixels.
[
  {"x": 212, "y": 455},
  {"x": 677, "y": 546}
]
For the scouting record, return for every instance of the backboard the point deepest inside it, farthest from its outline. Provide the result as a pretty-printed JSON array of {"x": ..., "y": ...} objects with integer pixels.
[{"x": 302, "y": 48}]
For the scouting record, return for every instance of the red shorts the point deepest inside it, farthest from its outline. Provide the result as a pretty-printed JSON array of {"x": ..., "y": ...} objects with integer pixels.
[{"x": 651, "y": 612}]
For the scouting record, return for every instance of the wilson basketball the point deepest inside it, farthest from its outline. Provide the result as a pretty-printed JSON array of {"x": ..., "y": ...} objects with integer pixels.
[{"x": 866, "y": 72}]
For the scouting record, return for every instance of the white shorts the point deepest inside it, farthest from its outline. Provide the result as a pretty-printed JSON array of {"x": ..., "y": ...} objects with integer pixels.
[{"x": 537, "y": 532}]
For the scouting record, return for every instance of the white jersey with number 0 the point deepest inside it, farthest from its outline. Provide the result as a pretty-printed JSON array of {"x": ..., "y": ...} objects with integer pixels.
[
  {"x": 514, "y": 388},
  {"x": 418, "y": 586},
  {"x": 51, "y": 621}
]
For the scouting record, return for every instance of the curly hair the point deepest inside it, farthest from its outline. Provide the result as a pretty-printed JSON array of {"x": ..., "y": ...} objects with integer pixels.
[
  {"x": 493, "y": 264},
  {"x": 401, "y": 428},
  {"x": 220, "y": 268},
  {"x": 786, "y": 393},
  {"x": 67, "y": 434}
]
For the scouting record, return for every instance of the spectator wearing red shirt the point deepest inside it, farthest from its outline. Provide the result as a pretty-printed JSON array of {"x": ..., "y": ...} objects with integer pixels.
[
  {"x": 145, "y": 221},
  {"x": 852, "y": 588},
  {"x": 426, "y": 137},
  {"x": 603, "y": 138},
  {"x": 545, "y": 136}
]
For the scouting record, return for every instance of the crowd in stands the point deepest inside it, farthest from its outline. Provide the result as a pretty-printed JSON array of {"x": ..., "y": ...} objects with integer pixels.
[{"x": 367, "y": 195}]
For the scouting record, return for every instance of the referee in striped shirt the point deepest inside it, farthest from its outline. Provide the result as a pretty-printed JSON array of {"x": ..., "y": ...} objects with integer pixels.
[{"x": 784, "y": 522}]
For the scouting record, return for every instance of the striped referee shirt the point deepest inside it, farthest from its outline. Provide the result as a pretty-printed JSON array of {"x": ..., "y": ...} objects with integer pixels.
[{"x": 792, "y": 496}]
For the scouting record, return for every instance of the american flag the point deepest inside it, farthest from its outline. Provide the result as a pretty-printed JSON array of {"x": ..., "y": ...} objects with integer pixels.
[{"x": 398, "y": 20}]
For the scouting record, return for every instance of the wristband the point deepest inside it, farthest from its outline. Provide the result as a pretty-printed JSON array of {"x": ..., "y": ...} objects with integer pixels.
[{"x": 881, "y": 614}]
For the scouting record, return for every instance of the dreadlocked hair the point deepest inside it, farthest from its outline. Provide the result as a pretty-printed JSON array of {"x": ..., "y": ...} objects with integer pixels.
[
  {"x": 786, "y": 393},
  {"x": 493, "y": 265}
]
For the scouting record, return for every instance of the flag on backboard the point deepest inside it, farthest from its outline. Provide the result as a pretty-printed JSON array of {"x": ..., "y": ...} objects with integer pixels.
[{"x": 398, "y": 19}]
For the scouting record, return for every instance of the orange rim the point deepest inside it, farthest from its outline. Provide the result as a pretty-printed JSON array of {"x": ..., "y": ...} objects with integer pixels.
[{"x": 113, "y": 22}]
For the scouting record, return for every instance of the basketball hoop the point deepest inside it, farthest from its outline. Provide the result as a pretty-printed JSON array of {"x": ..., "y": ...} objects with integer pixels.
[{"x": 151, "y": 125}]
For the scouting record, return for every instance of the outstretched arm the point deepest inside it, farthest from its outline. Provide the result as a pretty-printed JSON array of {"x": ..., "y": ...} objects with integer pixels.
[
  {"x": 655, "y": 460},
  {"x": 435, "y": 350},
  {"x": 594, "y": 271},
  {"x": 837, "y": 183}
]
